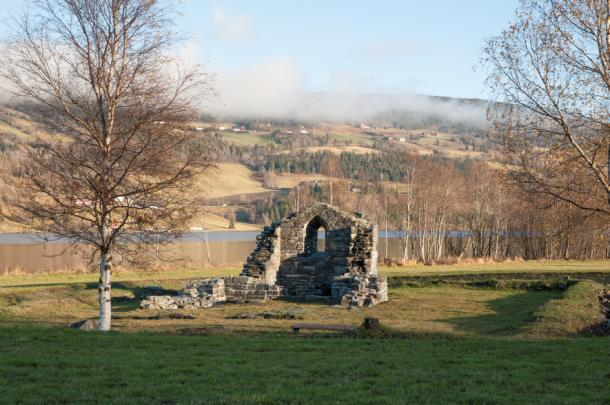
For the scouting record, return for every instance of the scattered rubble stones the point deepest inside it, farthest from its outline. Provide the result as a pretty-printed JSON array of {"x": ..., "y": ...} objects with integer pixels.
[
  {"x": 286, "y": 262},
  {"x": 86, "y": 325},
  {"x": 286, "y": 314}
]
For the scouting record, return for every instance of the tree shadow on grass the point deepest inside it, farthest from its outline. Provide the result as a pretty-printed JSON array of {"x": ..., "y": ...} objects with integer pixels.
[
  {"x": 510, "y": 315},
  {"x": 131, "y": 302}
]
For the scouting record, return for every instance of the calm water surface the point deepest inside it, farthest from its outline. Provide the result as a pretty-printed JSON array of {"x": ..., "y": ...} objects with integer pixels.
[{"x": 28, "y": 253}]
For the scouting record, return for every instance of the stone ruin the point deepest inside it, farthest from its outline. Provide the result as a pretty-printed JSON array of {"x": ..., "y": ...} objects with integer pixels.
[{"x": 288, "y": 262}]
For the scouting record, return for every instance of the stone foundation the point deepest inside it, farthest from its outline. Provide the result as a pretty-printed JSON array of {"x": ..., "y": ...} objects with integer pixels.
[
  {"x": 244, "y": 288},
  {"x": 360, "y": 291},
  {"x": 208, "y": 292}
]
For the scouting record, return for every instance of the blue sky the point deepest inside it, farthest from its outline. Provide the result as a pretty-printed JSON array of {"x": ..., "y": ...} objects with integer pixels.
[
  {"x": 261, "y": 50},
  {"x": 426, "y": 47}
]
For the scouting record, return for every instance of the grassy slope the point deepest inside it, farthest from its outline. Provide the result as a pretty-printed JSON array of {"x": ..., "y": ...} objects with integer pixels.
[
  {"x": 214, "y": 222},
  {"x": 52, "y": 365},
  {"x": 569, "y": 314},
  {"x": 230, "y": 179}
]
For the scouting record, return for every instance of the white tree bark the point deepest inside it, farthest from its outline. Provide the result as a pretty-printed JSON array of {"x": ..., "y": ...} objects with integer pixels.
[{"x": 105, "y": 291}]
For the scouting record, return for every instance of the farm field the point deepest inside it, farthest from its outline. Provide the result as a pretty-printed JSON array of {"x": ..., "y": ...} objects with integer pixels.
[
  {"x": 337, "y": 150},
  {"x": 247, "y": 138},
  {"x": 230, "y": 179},
  {"x": 215, "y": 222}
]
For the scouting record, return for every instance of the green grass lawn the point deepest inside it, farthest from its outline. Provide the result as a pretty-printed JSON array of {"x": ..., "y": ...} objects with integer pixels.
[
  {"x": 543, "y": 266},
  {"x": 550, "y": 266},
  {"x": 248, "y": 138},
  {"x": 355, "y": 138},
  {"x": 62, "y": 366},
  {"x": 441, "y": 342}
]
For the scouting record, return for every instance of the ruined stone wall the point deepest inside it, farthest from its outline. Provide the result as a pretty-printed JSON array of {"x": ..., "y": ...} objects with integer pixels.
[
  {"x": 264, "y": 262},
  {"x": 286, "y": 253},
  {"x": 286, "y": 261},
  {"x": 243, "y": 288}
]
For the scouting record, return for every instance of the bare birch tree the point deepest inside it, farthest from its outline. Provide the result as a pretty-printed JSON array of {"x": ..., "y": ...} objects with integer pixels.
[
  {"x": 551, "y": 70},
  {"x": 122, "y": 168}
]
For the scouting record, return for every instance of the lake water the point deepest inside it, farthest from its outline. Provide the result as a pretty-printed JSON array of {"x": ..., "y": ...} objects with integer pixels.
[{"x": 27, "y": 253}]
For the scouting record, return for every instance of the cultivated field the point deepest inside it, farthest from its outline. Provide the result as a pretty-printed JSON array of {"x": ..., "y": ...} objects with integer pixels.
[{"x": 229, "y": 179}]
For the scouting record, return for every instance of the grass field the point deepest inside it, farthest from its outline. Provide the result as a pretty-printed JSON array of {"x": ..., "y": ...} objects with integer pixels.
[
  {"x": 337, "y": 150},
  {"x": 247, "y": 138},
  {"x": 440, "y": 342},
  {"x": 230, "y": 179},
  {"x": 215, "y": 222},
  {"x": 60, "y": 366}
]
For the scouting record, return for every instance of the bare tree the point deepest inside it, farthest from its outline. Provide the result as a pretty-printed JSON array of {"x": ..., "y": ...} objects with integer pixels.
[
  {"x": 122, "y": 168},
  {"x": 551, "y": 71}
]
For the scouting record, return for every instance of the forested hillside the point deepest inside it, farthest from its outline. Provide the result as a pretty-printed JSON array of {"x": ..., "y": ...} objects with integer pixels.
[{"x": 439, "y": 182}]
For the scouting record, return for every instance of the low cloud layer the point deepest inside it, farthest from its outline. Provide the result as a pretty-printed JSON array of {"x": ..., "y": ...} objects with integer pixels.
[{"x": 271, "y": 90}]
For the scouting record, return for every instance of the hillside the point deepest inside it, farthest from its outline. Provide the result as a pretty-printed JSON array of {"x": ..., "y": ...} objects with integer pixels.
[{"x": 246, "y": 149}]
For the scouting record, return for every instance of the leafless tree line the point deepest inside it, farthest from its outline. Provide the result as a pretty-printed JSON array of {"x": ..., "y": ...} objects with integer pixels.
[{"x": 441, "y": 213}]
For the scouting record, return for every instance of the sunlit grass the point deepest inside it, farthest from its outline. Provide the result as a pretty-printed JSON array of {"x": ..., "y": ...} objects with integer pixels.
[{"x": 63, "y": 366}]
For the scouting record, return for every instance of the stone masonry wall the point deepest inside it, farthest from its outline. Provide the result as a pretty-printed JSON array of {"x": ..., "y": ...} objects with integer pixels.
[
  {"x": 286, "y": 253},
  {"x": 286, "y": 261}
]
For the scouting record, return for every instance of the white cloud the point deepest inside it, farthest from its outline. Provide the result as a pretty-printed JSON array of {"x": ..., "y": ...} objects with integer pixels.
[
  {"x": 266, "y": 89},
  {"x": 273, "y": 90},
  {"x": 231, "y": 26}
]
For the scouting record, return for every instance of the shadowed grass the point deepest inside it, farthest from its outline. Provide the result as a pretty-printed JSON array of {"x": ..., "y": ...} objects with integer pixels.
[
  {"x": 576, "y": 311},
  {"x": 509, "y": 314}
]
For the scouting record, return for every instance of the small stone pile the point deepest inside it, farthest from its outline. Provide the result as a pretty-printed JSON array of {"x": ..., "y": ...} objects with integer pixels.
[
  {"x": 208, "y": 292},
  {"x": 197, "y": 294},
  {"x": 359, "y": 290}
]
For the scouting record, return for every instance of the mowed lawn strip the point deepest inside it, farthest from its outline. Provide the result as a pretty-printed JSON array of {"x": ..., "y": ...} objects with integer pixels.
[
  {"x": 48, "y": 365},
  {"x": 550, "y": 266},
  {"x": 534, "y": 266}
]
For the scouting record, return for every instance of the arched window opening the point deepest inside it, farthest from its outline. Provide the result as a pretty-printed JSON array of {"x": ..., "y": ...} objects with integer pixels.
[
  {"x": 321, "y": 239},
  {"x": 315, "y": 236}
]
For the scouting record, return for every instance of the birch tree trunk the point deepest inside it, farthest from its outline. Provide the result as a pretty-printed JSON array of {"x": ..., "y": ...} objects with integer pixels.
[{"x": 105, "y": 295}]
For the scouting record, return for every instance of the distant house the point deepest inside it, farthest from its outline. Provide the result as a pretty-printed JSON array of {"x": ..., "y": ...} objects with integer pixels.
[
  {"x": 303, "y": 131},
  {"x": 401, "y": 139},
  {"x": 290, "y": 132},
  {"x": 364, "y": 126},
  {"x": 222, "y": 128}
]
